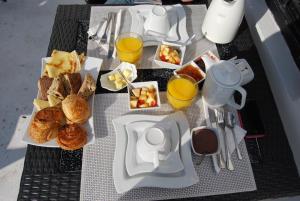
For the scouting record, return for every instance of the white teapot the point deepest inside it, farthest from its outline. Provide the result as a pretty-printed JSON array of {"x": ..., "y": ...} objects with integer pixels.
[{"x": 223, "y": 79}]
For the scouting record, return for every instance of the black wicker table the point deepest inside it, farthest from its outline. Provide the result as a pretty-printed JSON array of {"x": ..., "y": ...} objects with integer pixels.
[{"x": 54, "y": 174}]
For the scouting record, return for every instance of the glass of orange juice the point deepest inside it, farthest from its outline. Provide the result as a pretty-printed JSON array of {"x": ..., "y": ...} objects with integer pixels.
[
  {"x": 181, "y": 91},
  {"x": 129, "y": 47}
]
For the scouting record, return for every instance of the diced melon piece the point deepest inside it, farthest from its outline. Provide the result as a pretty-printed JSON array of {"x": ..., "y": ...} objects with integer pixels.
[
  {"x": 144, "y": 105},
  {"x": 136, "y": 92},
  {"x": 143, "y": 97},
  {"x": 133, "y": 103},
  {"x": 133, "y": 98},
  {"x": 144, "y": 92}
]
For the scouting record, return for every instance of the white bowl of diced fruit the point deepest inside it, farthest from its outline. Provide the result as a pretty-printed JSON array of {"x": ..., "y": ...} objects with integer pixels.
[
  {"x": 144, "y": 96},
  {"x": 169, "y": 55},
  {"x": 113, "y": 80}
]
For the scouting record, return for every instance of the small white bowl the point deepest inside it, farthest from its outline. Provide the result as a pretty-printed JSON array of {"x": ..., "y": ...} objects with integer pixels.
[
  {"x": 145, "y": 84},
  {"x": 209, "y": 128},
  {"x": 192, "y": 63},
  {"x": 209, "y": 58},
  {"x": 109, "y": 85},
  {"x": 164, "y": 64}
]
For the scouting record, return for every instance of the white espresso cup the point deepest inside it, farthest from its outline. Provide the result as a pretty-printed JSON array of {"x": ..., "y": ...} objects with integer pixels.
[
  {"x": 157, "y": 22},
  {"x": 154, "y": 145}
]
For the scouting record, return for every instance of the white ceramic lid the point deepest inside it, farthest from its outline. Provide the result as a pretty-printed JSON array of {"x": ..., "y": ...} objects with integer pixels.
[{"x": 226, "y": 73}]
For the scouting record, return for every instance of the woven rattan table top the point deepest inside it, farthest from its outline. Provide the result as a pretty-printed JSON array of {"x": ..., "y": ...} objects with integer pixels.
[{"x": 54, "y": 174}]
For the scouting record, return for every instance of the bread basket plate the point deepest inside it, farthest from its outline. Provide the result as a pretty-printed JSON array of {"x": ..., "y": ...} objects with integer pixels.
[{"x": 92, "y": 65}]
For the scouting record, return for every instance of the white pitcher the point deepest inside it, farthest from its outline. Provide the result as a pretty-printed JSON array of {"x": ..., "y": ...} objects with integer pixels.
[{"x": 222, "y": 80}]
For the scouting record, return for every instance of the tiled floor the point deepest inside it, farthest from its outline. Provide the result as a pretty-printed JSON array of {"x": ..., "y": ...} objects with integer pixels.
[{"x": 25, "y": 28}]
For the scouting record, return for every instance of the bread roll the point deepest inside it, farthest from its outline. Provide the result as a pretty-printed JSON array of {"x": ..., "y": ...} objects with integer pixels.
[
  {"x": 76, "y": 109},
  {"x": 71, "y": 137},
  {"x": 45, "y": 124}
]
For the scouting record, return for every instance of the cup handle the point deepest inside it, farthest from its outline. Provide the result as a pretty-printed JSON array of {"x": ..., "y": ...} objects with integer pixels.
[
  {"x": 233, "y": 103},
  {"x": 155, "y": 159}
]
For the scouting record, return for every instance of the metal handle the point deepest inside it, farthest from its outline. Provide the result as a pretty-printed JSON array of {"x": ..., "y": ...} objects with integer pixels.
[
  {"x": 237, "y": 145},
  {"x": 221, "y": 160},
  {"x": 229, "y": 163}
]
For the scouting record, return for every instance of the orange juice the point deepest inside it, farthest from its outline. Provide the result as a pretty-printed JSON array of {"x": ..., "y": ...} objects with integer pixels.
[
  {"x": 181, "y": 90},
  {"x": 129, "y": 47}
]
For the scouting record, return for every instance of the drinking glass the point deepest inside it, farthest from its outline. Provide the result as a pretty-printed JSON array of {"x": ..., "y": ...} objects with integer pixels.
[
  {"x": 181, "y": 91},
  {"x": 129, "y": 47}
]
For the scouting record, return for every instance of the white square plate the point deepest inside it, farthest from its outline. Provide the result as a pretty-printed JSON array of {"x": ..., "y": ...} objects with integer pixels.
[
  {"x": 123, "y": 182},
  {"x": 177, "y": 18},
  {"x": 135, "y": 165},
  {"x": 92, "y": 65}
]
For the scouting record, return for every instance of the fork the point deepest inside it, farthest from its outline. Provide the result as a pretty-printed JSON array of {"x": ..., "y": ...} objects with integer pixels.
[
  {"x": 95, "y": 35},
  {"x": 221, "y": 123},
  {"x": 103, "y": 40}
]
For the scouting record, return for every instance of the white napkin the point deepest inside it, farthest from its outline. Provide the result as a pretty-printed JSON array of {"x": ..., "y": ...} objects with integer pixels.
[
  {"x": 100, "y": 33},
  {"x": 105, "y": 47},
  {"x": 239, "y": 133}
]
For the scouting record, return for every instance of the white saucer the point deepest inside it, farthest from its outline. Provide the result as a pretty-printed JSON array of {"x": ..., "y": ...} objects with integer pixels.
[
  {"x": 177, "y": 19},
  {"x": 135, "y": 165},
  {"x": 123, "y": 182}
]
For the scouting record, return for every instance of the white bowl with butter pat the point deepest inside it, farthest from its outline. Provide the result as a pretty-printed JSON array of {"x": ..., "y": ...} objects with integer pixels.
[{"x": 113, "y": 81}]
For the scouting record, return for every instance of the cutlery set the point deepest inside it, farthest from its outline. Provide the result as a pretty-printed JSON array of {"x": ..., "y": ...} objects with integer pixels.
[
  {"x": 108, "y": 35},
  {"x": 223, "y": 119}
]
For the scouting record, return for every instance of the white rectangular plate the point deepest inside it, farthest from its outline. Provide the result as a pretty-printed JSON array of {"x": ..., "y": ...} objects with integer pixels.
[{"x": 92, "y": 65}]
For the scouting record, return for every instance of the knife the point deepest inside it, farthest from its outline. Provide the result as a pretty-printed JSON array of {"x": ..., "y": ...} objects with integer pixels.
[
  {"x": 214, "y": 123},
  {"x": 112, "y": 36}
]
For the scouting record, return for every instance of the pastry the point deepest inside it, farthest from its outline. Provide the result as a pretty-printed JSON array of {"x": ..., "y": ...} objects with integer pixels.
[
  {"x": 63, "y": 62},
  {"x": 57, "y": 88},
  {"x": 88, "y": 87},
  {"x": 53, "y": 100},
  {"x": 76, "y": 109},
  {"x": 40, "y": 104},
  {"x": 72, "y": 82},
  {"x": 44, "y": 84},
  {"x": 45, "y": 124},
  {"x": 71, "y": 137}
]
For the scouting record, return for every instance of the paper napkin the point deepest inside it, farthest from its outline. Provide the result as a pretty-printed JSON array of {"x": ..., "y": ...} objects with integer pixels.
[{"x": 105, "y": 47}]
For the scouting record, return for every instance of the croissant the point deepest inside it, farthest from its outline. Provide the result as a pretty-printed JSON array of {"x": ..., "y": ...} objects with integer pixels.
[
  {"x": 45, "y": 124},
  {"x": 71, "y": 137}
]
